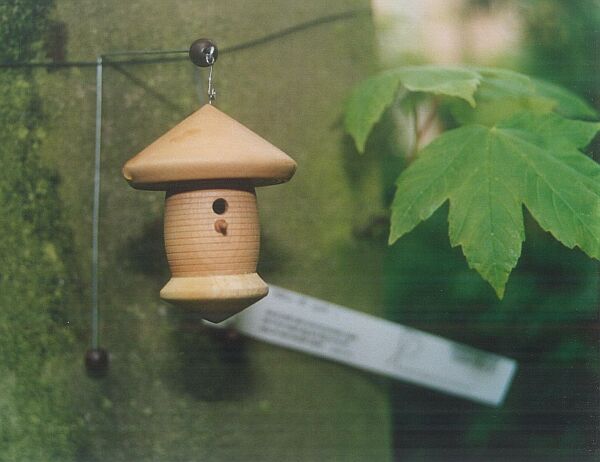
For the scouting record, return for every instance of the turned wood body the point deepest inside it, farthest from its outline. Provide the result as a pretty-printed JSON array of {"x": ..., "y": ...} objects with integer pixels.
[
  {"x": 212, "y": 240},
  {"x": 196, "y": 248},
  {"x": 209, "y": 165}
]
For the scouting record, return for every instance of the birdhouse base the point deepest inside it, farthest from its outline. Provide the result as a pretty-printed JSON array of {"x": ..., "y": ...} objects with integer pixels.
[{"x": 216, "y": 297}]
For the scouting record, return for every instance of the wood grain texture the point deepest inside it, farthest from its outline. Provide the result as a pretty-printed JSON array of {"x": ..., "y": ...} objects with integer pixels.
[
  {"x": 212, "y": 240},
  {"x": 208, "y": 145},
  {"x": 195, "y": 248},
  {"x": 216, "y": 298}
]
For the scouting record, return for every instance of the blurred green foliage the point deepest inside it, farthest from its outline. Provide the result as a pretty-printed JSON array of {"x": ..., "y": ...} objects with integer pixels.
[
  {"x": 548, "y": 319},
  {"x": 36, "y": 274},
  {"x": 514, "y": 148},
  {"x": 561, "y": 44},
  {"x": 546, "y": 322}
]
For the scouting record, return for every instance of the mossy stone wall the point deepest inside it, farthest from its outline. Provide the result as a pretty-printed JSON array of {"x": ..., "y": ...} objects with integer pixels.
[{"x": 175, "y": 392}]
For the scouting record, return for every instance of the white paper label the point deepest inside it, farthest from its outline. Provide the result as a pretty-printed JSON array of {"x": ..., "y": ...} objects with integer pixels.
[{"x": 314, "y": 326}]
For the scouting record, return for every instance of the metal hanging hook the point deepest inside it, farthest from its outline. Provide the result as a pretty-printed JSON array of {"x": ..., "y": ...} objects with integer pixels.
[
  {"x": 212, "y": 93},
  {"x": 203, "y": 53}
]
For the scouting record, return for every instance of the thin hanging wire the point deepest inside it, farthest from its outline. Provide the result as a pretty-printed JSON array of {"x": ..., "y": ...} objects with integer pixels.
[
  {"x": 96, "y": 203},
  {"x": 210, "y": 59},
  {"x": 204, "y": 92},
  {"x": 149, "y": 59},
  {"x": 212, "y": 93}
]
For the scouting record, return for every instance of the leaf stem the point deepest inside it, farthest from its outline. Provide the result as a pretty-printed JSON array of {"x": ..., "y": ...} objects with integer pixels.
[
  {"x": 412, "y": 154},
  {"x": 420, "y": 131},
  {"x": 428, "y": 121}
]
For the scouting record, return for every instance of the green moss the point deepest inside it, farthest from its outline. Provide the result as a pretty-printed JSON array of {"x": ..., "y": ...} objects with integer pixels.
[{"x": 36, "y": 411}]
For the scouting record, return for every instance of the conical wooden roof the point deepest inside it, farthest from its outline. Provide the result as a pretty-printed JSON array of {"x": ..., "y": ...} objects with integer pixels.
[{"x": 208, "y": 145}]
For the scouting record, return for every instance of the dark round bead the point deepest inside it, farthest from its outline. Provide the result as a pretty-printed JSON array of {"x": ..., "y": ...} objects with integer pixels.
[
  {"x": 200, "y": 52},
  {"x": 96, "y": 362}
]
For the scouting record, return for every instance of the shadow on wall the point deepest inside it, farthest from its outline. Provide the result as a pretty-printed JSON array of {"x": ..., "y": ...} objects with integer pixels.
[
  {"x": 145, "y": 253},
  {"x": 212, "y": 363},
  {"x": 55, "y": 42},
  {"x": 273, "y": 257}
]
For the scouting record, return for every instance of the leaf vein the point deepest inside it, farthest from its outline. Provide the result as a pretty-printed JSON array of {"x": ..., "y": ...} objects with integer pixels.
[
  {"x": 541, "y": 176},
  {"x": 436, "y": 179}
]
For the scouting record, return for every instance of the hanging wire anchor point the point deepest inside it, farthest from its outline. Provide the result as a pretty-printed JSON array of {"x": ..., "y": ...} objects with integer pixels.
[{"x": 203, "y": 52}]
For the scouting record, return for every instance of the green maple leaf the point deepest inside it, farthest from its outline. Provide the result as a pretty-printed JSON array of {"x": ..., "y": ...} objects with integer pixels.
[
  {"x": 477, "y": 95},
  {"x": 375, "y": 95},
  {"x": 513, "y": 150},
  {"x": 488, "y": 174},
  {"x": 501, "y": 94},
  {"x": 568, "y": 104}
]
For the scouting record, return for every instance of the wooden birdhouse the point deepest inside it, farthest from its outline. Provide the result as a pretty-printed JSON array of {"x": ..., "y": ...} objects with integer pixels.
[{"x": 209, "y": 165}]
